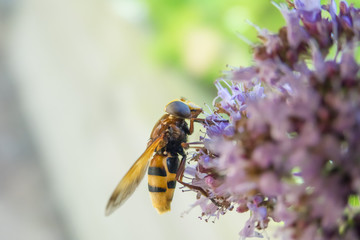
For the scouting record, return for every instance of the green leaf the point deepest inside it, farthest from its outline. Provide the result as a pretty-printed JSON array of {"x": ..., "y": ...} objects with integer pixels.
[{"x": 354, "y": 200}]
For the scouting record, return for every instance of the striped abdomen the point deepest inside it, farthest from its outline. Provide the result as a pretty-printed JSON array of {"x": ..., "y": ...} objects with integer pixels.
[{"x": 162, "y": 180}]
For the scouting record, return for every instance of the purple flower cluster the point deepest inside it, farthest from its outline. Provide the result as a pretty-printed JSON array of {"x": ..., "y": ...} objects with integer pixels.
[{"x": 283, "y": 142}]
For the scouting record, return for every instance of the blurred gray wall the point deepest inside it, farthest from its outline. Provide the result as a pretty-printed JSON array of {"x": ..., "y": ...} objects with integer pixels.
[{"x": 78, "y": 101}]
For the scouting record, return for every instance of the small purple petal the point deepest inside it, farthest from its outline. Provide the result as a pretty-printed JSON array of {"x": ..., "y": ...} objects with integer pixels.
[
  {"x": 270, "y": 185},
  {"x": 242, "y": 74},
  {"x": 308, "y": 5},
  {"x": 295, "y": 33}
]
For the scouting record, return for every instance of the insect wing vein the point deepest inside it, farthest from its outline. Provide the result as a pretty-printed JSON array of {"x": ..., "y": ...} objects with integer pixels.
[{"x": 132, "y": 179}]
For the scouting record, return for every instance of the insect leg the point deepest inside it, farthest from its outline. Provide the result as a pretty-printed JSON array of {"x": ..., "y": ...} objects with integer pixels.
[
  {"x": 180, "y": 175},
  {"x": 202, "y": 121},
  {"x": 207, "y": 121},
  {"x": 191, "y": 130}
]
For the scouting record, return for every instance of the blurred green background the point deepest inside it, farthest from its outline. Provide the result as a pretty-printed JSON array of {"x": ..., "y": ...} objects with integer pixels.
[
  {"x": 82, "y": 82},
  {"x": 198, "y": 37}
]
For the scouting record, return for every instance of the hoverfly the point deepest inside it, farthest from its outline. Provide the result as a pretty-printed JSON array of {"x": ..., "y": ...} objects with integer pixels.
[{"x": 167, "y": 141}]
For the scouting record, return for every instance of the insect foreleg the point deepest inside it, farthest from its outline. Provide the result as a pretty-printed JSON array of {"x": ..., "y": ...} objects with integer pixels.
[{"x": 203, "y": 120}]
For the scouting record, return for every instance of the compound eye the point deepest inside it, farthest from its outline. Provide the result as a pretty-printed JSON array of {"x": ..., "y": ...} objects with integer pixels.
[{"x": 178, "y": 109}]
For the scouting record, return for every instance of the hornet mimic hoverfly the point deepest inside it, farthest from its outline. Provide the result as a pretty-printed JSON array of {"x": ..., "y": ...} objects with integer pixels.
[{"x": 167, "y": 141}]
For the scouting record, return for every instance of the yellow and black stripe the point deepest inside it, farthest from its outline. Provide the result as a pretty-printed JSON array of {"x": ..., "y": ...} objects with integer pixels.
[{"x": 162, "y": 180}]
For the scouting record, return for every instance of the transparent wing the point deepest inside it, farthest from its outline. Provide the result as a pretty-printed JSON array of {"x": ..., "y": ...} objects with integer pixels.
[{"x": 132, "y": 179}]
